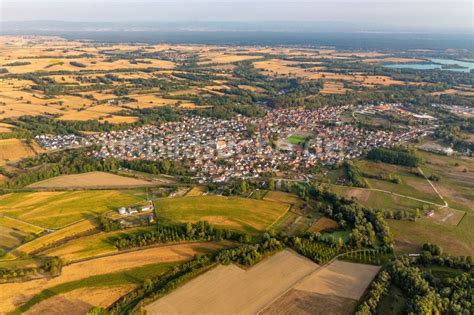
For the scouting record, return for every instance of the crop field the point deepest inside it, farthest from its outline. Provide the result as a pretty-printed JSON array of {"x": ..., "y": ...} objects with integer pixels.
[
  {"x": 123, "y": 268},
  {"x": 91, "y": 180},
  {"x": 283, "y": 197},
  {"x": 227, "y": 288},
  {"x": 332, "y": 87},
  {"x": 48, "y": 239},
  {"x": 208, "y": 58},
  {"x": 323, "y": 224},
  {"x": 13, "y": 232},
  {"x": 335, "y": 288},
  {"x": 54, "y": 210},
  {"x": 79, "y": 301},
  {"x": 12, "y": 150},
  {"x": 195, "y": 191},
  {"x": 88, "y": 246},
  {"x": 230, "y": 212}
]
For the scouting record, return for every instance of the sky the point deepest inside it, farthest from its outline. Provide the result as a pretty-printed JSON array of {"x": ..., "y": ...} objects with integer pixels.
[{"x": 397, "y": 14}]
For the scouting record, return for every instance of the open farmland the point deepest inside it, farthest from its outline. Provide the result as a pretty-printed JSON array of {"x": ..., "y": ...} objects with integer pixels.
[
  {"x": 230, "y": 212},
  {"x": 279, "y": 196},
  {"x": 381, "y": 200},
  {"x": 91, "y": 180},
  {"x": 226, "y": 289},
  {"x": 13, "y": 232},
  {"x": 12, "y": 150},
  {"x": 54, "y": 210},
  {"x": 96, "y": 272},
  {"x": 333, "y": 289},
  {"x": 455, "y": 239},
  {"x": 64, "y": 233},
  {"x": 89, "y": 246},
  {"x": 104, "y": 271}
]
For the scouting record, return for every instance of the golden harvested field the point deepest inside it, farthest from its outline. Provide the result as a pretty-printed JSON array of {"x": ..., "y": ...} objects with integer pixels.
[
  {"x": 304, "y": 302},
  {"x": 14, "y": 294},
  {"x": 224, "y": 58},
  {"x": 331, "y": 87},
  {"x": 19, "y": 225},
  {"x": 195, "y": 191},
  {"x": 91, "y": 180},
  {"x": 226, "y": 289},
  {"x": 336, "y": 287},
  {"x": 79, "y": 301},
  {"x": 323, "y": 224},
  {"x": 283, "y": 197},
  {"x": 340, "y": 278},
  {"x": 12, "y": 150},
  {"x": 277, "y": 67},
  {"x": 5, "y": 127},
  {"x": 251, "y": 88},
  {"x": 48, "y": 239}
]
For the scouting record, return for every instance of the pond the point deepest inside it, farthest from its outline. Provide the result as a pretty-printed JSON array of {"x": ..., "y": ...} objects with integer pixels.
[{"x": 450, "y": 64}]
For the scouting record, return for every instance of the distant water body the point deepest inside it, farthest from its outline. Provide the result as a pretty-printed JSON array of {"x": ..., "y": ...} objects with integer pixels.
[{"x": 437, "y": 64}]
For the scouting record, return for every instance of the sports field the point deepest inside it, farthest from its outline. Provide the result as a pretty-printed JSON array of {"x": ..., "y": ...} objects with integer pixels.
[
  {"x": 230, "y": 212},
  {"x": 53, "y": 210}
]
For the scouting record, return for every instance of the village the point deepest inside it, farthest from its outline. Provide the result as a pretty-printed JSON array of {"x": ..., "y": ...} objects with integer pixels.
[{"x": 243, "y": 147}]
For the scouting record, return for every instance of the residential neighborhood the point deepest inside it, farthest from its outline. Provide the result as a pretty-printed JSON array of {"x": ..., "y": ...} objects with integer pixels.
[{"x": 243, "y": 146}]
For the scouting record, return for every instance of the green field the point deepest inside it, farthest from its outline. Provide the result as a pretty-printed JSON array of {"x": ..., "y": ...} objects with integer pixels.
[
  {"x": 88, "y": 246},
  {"x": 456, "y": 182},
  {"x": 455, "y": 240},
  {"x": 378, "y": 200},
  {"x": 13, "y": 232},
  {"x": 410, "y": 185},
  {"x": 230, "y": 212},
  {"x": 296, "y": 139},
  {"x": 134, "y": 276},
  {"x": 53, "y": 210}
]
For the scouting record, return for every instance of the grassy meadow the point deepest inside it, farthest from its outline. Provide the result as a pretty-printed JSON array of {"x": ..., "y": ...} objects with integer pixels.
[{"x": 230, "y": 212}]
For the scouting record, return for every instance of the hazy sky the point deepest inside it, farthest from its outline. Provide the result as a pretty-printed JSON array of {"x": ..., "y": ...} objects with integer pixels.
[{"x": 409, "y": 14}]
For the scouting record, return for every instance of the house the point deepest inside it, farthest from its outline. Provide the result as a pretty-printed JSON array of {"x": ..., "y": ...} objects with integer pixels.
[
  {"x": 122, "y": 211},
  {"x": 146, "y": 208}
]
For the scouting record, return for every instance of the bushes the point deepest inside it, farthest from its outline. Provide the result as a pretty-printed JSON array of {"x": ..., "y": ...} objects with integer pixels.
[
  {"x": 354, "y": 175},
  {"x": 51, "y": 265},
  {"x": 77, "y": 64},
  {"x": 378, "y": 289},
  {"x": 315, "y": 250},
  {"x": 174, "y": 233}
]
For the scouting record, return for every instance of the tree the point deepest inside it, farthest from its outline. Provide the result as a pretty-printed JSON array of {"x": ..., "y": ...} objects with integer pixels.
[{"x": 271, "y": 184}]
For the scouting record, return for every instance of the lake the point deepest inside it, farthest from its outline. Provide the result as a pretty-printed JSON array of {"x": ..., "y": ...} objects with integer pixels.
[{"x": 435, "y": 65}]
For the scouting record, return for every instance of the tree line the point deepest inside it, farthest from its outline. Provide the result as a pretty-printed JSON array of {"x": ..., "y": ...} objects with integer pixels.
[{"x": 395, "y": 155}]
